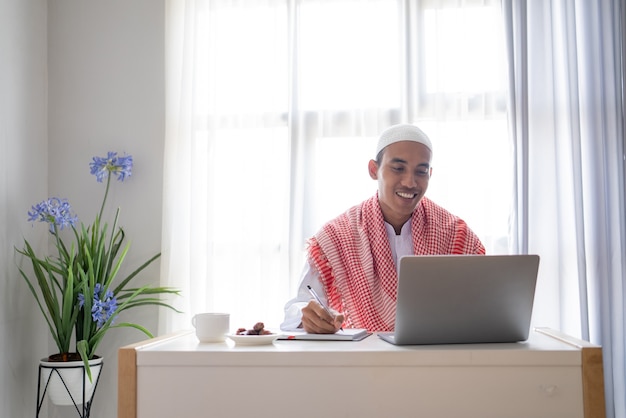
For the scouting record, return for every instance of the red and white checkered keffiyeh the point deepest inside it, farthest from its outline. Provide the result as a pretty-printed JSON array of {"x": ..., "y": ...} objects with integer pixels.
[{"x": 354, "y": 259}]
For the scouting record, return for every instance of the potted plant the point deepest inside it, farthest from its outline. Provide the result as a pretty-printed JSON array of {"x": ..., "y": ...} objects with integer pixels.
[{"x": 77, "y": 288}]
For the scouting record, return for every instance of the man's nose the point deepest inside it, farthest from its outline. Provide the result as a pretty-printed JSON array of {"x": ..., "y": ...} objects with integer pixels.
[{"x": 409, "y": 180}]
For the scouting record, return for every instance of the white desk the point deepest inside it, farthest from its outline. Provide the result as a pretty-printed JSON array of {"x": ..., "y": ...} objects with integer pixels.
[{"x": 551, "y": 375}]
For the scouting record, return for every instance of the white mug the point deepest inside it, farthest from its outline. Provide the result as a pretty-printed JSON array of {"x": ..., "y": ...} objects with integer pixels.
[{"x": 211, "y": 327}]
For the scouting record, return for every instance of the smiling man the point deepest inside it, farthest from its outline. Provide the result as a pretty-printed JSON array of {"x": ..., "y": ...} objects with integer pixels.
[{"x": 352, "y": 261}]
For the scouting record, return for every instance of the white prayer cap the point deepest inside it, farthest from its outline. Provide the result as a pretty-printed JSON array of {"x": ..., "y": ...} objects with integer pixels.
[{"x": 402, "y": 132}]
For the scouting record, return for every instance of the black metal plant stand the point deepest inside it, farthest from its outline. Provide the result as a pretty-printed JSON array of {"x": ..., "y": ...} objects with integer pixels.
[{"x": 86, "y": 406}]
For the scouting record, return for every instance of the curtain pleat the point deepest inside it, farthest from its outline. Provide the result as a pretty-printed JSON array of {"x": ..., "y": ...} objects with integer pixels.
[{"x": 566, "y": 117}]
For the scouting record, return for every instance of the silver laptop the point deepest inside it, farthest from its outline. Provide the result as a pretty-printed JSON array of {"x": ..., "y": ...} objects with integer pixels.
[{"x": 463, "y": 299}]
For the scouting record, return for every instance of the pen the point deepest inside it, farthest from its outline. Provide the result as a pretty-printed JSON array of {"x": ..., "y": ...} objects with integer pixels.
[{"x": 317, "y": 298}]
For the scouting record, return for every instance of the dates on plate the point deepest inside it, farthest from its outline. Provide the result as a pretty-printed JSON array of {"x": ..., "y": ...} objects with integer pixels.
[{"x": 258, "y": 329}]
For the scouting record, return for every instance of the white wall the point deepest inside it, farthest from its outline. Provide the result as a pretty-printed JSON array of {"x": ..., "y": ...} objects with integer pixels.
[
  {"x": 106, "y": 93},
  {"x": 78, "y": 78},
  {"x": 23, "y": 180}
]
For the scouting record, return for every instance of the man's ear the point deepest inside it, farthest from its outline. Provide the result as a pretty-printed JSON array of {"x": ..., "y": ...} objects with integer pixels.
[{"x": 373, "y": 169}]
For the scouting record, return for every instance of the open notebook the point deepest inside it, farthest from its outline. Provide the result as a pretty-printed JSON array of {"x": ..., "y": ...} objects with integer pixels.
[
  {"x": 347, "y": 334},
  {"x": 452, "y": 299}
]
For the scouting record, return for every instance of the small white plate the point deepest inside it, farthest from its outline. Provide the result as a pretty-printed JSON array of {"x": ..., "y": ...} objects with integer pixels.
[{"x": 253, "y": 339}]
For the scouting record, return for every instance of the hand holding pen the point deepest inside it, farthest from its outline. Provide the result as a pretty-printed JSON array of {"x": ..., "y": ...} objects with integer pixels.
[{"x": 326, "y": 323}]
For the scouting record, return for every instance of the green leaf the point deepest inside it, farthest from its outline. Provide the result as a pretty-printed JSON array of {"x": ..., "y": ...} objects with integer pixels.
[{"x": 82, "y": 348}]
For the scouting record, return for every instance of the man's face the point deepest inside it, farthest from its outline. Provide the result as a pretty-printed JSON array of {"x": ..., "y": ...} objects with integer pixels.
[{"x": 403, "y": 177}]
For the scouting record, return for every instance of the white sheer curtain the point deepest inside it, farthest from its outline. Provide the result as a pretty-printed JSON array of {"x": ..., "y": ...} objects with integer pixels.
[
  {"x": 273, "y": 108},
  {"x": 227, "y": 166},
  {"x": 567, "y": 117}
]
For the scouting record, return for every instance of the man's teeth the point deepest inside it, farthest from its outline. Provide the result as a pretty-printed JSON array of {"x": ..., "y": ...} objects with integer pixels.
[{"x": 406, "y": 195}]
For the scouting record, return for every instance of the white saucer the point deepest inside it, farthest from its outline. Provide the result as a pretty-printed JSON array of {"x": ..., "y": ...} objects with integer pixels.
[{"x": 253, "y": 339}]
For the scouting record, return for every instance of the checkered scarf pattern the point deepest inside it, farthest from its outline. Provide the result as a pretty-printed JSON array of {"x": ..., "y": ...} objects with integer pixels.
[{"x": 354, "y": 259}]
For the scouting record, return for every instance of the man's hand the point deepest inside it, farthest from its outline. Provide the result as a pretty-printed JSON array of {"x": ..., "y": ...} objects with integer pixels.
[{"x": 316, "y": 320}]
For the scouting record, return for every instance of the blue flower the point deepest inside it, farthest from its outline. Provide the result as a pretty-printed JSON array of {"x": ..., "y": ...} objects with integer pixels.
[
  {"x": 102, "y": 308},
  {"x": 54, "y": 211},
  {"x": 101, "y": 311},
  {"x": 121, "y": 166}
]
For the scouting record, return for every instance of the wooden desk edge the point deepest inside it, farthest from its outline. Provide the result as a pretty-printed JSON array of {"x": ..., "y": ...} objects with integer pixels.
[
  {"x": 592, "y": 372},
  {"x": 127, "y": 374}
]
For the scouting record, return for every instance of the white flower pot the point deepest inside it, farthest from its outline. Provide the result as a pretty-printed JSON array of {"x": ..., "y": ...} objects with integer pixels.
[{"x": 53, "y": 375}]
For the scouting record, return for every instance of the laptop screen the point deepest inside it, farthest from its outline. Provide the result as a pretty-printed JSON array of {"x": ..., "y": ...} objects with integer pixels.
[{"x": 451, "y": 299}]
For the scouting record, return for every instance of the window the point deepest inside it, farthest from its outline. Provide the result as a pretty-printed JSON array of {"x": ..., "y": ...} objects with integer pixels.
[{"x": 278, "y": 105}]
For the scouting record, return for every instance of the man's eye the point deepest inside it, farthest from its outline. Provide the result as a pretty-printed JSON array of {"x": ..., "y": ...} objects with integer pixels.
[
  {"x": 422, "y": 172},
  {"x": 398, "y": 169}
]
